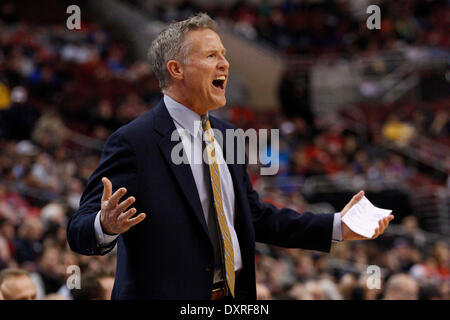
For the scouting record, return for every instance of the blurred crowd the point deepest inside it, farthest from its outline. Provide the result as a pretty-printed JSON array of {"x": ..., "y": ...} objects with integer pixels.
[
  {"x": 322, "y": 26},
  {"x": 85, "y": 78},
  {"x": 399, "y": 265},
  {"x": 332, "y": 150},
  {"x": 408, "y": 120},
  {"x": 58, "y": 89}
]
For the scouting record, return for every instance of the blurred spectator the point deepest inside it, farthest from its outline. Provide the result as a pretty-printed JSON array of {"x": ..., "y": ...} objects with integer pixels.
[
  {"x": 7, "y": 247},
  {"x": 107, "y": 283},
  {"x": 12, "y": 205},
  {"x": 15, "y": 284},
  {"x": 49, "y": 274},
  {"x": 53, "y": 215},
  {"x": 346, "y": 285},
  {"x": 445, "y": 290},
  {"x": 262, "y": 292},
  {"x": 304, "y": 268},
  {"x": 131, "y": 108},
  {"x": 413, "y": 231},
  {"x": 94, "y": 286},
  {"x": 441, "y": 123},
  {"x": 366, "y": 292},
  {"x": 299, "y": 292},
  {"x": 330, "y": 289},
  {"x": 429, "y": 291},
  {"x": 5, "y": 255},
  {"x": 442, "y": 257},
  {"x": 401, "y": 287},
  {"x": 19, "y": 118},
  {"x": 54, "y": 296},
  {"x": 50, "y": 131},
  {"x": 398, "y": 131},
  {"x": 315, "y": 290},
  {"x": 28, "y": 242}
]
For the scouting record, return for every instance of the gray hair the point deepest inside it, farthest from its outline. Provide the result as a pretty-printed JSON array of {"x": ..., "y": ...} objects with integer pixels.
[{"x": 169, "y": 45}]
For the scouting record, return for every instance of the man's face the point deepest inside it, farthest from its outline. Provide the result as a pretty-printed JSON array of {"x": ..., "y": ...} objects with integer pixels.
[
  {"x": 18, "y": 288},
  {"x": 206, "y": 71}
]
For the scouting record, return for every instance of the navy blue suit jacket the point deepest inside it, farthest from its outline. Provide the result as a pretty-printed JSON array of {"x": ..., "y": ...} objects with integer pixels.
[{"x": 169, "y": 255}]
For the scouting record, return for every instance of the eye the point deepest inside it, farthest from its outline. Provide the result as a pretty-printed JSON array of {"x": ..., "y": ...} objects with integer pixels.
[{"x": 212, "y": 55}]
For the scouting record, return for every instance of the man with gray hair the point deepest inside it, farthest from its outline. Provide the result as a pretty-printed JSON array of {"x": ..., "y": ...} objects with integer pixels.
[{"x": 194, "y": 236}]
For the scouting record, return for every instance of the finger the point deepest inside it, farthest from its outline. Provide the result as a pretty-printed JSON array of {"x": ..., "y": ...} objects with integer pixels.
[
  {"x": 385, "y": 223},
  {"x": 387, "y": 220},
  {"x": 112, "y": 202},
  {"x": 107, "y": 189},
  {"x": 126, "y": 215},
  {"x": 134, "y": 221},
  {"x": 125, "y": 204},
  {"x": 381, "y": 227},
  {"x": 376, "y": 234},
  {"x": 356, "y": 198},
  {"x": 381, "y": 224},
  {"x": 353, "y": 201}
]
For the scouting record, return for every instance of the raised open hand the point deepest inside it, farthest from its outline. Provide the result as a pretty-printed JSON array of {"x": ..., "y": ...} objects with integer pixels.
[{"x": 113, "y": 219}]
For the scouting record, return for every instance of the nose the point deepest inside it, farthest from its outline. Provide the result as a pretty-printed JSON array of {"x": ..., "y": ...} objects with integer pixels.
[{"x": 223, "y": 64}]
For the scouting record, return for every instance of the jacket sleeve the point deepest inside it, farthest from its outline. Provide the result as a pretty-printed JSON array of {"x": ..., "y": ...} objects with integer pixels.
[
  {"x": 118, "y": 164},
  {"x": 286, "y": 227}
]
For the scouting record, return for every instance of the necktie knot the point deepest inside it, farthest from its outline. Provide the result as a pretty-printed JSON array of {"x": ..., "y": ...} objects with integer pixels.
[{"x": 205, "y": 122}]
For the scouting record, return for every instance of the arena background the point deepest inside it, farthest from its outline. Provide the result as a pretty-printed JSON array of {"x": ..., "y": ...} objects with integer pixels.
[{"x": 356, "y": 108}]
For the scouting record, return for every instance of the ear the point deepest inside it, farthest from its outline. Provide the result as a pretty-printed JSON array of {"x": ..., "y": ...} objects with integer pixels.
[{"x": 175, "y": 69}]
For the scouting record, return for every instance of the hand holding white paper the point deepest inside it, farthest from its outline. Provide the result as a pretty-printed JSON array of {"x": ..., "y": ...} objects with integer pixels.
[{"x": 363, "y": 217}]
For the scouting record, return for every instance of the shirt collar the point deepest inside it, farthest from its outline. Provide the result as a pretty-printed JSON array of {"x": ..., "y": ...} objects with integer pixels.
[{"x": 183, "y": 116}]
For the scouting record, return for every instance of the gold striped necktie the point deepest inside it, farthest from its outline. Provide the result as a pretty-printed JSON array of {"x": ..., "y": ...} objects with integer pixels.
[{"x": 227, "y": 244}]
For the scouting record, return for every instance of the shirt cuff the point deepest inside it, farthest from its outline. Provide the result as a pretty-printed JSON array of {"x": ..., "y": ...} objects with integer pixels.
[
  {"x": 102, "y": 238},
  {"x": 337, "y": 232}
]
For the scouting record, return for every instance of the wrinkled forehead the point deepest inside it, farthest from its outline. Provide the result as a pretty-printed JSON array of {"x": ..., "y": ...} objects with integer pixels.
[{"x": 203, "y": 40}]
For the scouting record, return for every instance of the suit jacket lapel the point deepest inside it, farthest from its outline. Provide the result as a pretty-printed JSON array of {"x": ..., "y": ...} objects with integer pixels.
[{"x": 164, "y": 126}]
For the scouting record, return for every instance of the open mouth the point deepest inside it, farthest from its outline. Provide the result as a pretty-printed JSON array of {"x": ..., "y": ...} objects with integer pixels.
[{"x": 219, "y": 82}]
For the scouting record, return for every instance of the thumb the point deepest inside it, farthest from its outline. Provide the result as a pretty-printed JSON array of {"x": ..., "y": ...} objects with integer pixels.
[{"x": 357, "y": 197}]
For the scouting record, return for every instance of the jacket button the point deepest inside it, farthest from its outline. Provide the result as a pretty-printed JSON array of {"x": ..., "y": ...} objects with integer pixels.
[{"x": 208, "y": 267}]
